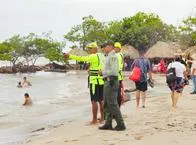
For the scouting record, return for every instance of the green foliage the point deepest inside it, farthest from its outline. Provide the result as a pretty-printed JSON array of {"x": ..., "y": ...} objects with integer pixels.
[
  {"x": 171, "y": 33},
  {"x": 16, "y": 42},
  {"x": 114, "y": 31},
  {"x": 54, "y": 54},
  {"x": 143, "y": 30},
  {"x": 5, "y": 51},
  {"x": 54, "y": 51},
  {"x": 38, "y": 46},
  {"x": 188, "y": 30},
  {"x": 31, "y": 47},
  {"x": 90, "y": 30}
]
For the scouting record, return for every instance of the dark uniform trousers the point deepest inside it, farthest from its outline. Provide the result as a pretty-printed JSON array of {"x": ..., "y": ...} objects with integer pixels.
[
  {"x": 111, "y": 107},
  {"x": 119, "y": 99}
]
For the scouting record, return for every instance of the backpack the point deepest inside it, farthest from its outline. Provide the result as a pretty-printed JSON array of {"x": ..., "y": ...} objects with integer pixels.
[
  {"x": 171, "y": 75},
  {"x": 135, "y": 74}
]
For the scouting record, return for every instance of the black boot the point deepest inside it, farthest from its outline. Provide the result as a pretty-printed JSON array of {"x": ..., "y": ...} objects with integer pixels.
[
  {"x": 120, "y": 128},
  {"x": 106, "y": 127}
]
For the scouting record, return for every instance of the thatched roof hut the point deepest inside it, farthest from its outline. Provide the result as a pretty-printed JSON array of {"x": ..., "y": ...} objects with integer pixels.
[
  {"x": 190, "y": 51},
  {"x": 128, "y": 50},
  {"x": 163, "y": 50},
  {"x": 79, "y": 52}
]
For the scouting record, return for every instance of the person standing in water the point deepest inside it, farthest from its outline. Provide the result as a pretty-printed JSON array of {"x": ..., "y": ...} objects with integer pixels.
[
  {"x": 19, "y": 85},
  {"x": 28, "y": 101},
  {"x": 25, "y": 82},
  {"x": 95, "y": 80}
]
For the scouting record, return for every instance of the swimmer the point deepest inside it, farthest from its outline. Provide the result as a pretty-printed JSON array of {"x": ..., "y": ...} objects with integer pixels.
[
  {"x": 19, "y": 85},
  {"x": 25, "y": 82},
  {"x": 28, "y": 101}
]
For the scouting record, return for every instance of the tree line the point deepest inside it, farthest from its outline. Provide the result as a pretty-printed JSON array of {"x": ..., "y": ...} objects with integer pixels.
[
  {"x": 141, "y": 31},
  {"x": 31, "y": 47}
]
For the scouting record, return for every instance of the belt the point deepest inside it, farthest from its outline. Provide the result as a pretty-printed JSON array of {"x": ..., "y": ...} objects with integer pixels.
[
  {"x": 93, "y": 74},
  {"x": 110, "y": 78}
]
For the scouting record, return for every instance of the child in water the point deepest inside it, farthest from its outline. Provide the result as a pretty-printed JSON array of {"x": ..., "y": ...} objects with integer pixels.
[
  {"x": 28, "y": 101},
  {"x": 19, "y": 85}
]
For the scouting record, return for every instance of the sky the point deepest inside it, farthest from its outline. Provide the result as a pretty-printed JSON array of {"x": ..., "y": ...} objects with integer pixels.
[{"x": 25, "y": 16}]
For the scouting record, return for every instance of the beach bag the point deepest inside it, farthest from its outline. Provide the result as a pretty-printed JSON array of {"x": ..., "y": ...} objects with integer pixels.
[
  {"x": 135, "y": 74},
  {"x": 171, "y": 75}
]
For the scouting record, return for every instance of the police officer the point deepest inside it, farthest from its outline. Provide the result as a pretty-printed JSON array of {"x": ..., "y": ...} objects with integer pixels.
[
  {"x": 120, "y": 97},
  {"x": 110, "y": 74},
  {"x": 95, "y": 80}
]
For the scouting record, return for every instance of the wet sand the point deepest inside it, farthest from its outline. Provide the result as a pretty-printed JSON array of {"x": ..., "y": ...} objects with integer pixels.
[{"x": 157, "y": 124}]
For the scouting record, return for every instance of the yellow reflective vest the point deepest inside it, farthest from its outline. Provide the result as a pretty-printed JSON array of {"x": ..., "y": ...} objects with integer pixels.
[
  {"x": 121, "y": 65},
  {"x": 96, "y": 63}
]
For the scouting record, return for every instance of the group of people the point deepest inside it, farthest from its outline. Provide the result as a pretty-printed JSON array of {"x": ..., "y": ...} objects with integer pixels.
[
  {"x": 185, "y": 69},
  {"x": 25, "y": 83},
  {"x": 107, "y": 85},
  {"x": 180, "y": 79},
  {"x": 160, "y": 67},
  {"x": 106, "y": 82}
]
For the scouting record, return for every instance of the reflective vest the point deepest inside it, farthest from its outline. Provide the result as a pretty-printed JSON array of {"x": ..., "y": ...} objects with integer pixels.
[
  {"x": 96, "y": 64},
  {"x": 121, "y": 65}
]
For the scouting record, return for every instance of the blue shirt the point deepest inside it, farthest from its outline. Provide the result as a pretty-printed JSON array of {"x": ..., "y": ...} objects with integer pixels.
[{"x": 144, "y": 65}]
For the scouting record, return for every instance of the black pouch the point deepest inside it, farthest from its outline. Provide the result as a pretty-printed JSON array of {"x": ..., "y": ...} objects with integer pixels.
[{"x": 113, "y": 79}]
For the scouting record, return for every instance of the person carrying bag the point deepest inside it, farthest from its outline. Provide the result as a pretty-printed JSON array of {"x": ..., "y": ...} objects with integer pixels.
[
  {"x": 141, "y": 68},
  {"x": 135, "y": 73}
]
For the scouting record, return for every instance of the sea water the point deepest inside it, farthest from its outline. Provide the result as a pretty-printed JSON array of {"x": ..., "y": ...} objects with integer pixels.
[{"x": 57, "y": 98}]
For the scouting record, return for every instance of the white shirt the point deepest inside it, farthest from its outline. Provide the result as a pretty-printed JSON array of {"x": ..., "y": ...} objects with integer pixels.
[{"x": 179, "y": 67}]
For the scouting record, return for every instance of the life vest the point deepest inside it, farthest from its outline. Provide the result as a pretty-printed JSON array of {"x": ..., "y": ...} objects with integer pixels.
[
  {"x": 95, "y": 66},
  {"x": 121, "y": 65}
]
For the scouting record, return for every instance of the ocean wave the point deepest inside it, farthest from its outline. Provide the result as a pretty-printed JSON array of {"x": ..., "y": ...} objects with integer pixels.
[{"x": 4, "y": 115}]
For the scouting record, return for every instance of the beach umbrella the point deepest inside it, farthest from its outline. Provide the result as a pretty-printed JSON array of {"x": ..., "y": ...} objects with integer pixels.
[
  {"x": 130, "y": 51},
  {"x": 163, "y": 50},
  {"x": 79, "y": 52}
]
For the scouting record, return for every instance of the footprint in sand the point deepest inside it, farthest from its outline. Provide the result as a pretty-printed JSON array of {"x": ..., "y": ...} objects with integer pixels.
[
  {"x": 49, "y": 142},
  {"x": 87, "y": 135},
  {"x": 138, "y": 137},
  {"x": 73, "y": 140}
]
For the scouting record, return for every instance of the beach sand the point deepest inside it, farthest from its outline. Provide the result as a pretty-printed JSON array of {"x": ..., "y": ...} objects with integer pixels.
[{"x": 157, "y": 124}]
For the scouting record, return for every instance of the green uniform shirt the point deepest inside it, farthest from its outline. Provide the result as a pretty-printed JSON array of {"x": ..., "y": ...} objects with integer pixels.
[{"x": 111, "y": 67}]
